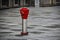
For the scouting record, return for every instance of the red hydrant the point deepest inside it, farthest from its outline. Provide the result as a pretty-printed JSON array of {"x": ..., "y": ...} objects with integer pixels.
[{"x": 24, "y": 14}]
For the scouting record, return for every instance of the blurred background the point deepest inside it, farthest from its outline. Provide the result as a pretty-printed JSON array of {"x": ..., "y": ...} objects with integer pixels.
[
  {"x": 27, "y": 3},
  {"x": 43, "y": 21}
]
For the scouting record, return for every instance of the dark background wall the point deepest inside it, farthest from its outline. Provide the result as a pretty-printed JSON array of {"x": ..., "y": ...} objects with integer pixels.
[{"x": 57, "y": 2}]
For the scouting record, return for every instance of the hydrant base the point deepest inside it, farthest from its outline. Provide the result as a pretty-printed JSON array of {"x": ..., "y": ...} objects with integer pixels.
[{"x": 22, "y": 33}]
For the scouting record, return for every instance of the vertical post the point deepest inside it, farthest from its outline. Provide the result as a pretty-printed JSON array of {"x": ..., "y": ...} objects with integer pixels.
[
  {"x": 13, "y": 3},
  {"x": 37, "y": 3},
  {"x": 54, "y": 2},
  {"x": 50, "y": 2},
  {"x": 30, "y": 3},
  {"x": 10, "y": 3},
  {"x": 24, "y": 2},
  {"x": 0, "y": 3},
  {"x": 21, "y": 2}
]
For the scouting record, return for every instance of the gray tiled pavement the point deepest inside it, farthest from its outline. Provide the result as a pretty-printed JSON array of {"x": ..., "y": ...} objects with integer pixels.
[{"x": 43, "y": 24}]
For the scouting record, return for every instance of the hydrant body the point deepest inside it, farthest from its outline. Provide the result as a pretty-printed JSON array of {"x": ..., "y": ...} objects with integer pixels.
[{"x": 24, "y": 13}]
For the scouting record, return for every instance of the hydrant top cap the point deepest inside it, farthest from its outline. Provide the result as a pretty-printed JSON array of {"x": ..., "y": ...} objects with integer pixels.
[{"x": 24, "y": 8}]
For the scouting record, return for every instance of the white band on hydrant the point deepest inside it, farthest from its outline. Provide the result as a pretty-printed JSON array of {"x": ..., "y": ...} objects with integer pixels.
[{"x": 24, "y": 29}]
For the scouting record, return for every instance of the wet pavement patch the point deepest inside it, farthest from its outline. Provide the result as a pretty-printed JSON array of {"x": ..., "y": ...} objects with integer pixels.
[
  {"x": 42, "y": 17},
  {"x": 2, "y": 21},
  {"x": 37, "y": 17},
  {"x": 44, "y": 29},
  {"x": 58, "y": 39},
  {"x": 58, "y": 33},
  {"x": 16, "y": 29},
  {"x": 14, "y": 16},
  {"x": 3, "y": 13},
  {"x": 2, "y": 24},
  {"x": 54, "y": 26},
  {"x": 18, "y": 35},
  {"x": 2, "y": 18},
  {"x": 8, "y": 22},
  {"x": 14, "y": 12},
  {"x": 30, "y": 27},
  {"x": 16, "y": 39},
  {"x": 13, "y": 25},
  {"x": 3, "y": 35},
  {"x": 4, "y": 28},
  {"x": 5, "y": 32},
  {"x": 55, "y": 36},
  {"x": 46, "y": 12},
  {"x": 57, "y": 18},
  {"x": 36, "y": 32},
  {"x": 34, "y": 25},
  {"x": 59, "y": 11}
]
